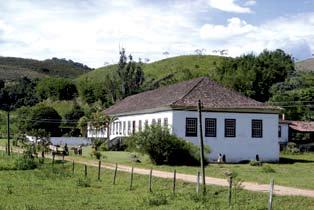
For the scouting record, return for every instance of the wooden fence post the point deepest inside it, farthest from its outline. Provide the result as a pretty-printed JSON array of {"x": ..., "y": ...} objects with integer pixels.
[
  {"x": 99, "y": 167},
  {"x": 229, "y": 190},
  {"x": 271, "y": 189},
  {"x": 131, "y": 178},
  {"x": 174, "y": 181},
  {"x": 73, "y": 167},
  {"x": 198, "y": 183},
  {"x": 150, "y": 180},
  {"x": 201, "y": 146},
  {"x": 85, "y": 170},
  {"x": 115, "y": 174}
]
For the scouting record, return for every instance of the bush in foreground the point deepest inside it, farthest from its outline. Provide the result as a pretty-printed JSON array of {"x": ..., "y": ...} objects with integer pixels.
[
  {"x": 26, "y": 162},
  {"x": 163, "y": 147}
]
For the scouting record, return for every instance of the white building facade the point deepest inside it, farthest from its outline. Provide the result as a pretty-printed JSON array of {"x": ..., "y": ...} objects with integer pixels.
[{"x": 239, "y": 134}]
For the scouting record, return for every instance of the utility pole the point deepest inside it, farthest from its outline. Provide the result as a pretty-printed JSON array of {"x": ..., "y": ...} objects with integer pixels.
[
  {"x": 8, "y": 122},
  {"x": 201, "y": 145}
]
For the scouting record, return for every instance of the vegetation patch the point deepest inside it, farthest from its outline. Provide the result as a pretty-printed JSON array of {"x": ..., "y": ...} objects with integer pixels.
[
  {"x": 268, "y": 169},
  {"x": 163, "y": 147}
]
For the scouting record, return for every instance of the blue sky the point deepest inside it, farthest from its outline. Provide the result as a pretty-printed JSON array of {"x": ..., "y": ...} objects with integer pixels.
[{"x": 91, "y": 31}]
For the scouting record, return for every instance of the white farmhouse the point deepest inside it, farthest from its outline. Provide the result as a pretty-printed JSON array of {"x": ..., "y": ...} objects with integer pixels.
[{"x": 235, "y": 126}]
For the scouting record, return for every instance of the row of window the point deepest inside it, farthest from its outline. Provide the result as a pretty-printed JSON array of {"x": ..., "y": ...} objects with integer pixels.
[
  {"x": 230, "y": 127},
  {"x": 129, "y": 127}
]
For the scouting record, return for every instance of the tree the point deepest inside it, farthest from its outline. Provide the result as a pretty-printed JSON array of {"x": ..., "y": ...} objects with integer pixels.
[
  {"x": 40, "y": 117},
  {"x": 20, "y": 93},
  {"x": 71, "y": 120},
  {"x": 254, "y": 75},
  {"x": 82, "y": 125},
  {"x": 296, "y": 96},
  {"x": 91, "y": 91},
  {"x": 130, "y": 74},
  {"x": 56, "y": 88}
]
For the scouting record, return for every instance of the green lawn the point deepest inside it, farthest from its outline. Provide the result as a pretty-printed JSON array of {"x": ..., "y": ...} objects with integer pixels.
[
  {"x": 294, "y": 170},
  {"x": 57, "y": 188}
]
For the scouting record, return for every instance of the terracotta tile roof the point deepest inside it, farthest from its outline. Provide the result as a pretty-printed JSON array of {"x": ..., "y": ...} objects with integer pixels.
[
  {"x": 186, "y": 95},
  {"x": 302, "y": 126}
]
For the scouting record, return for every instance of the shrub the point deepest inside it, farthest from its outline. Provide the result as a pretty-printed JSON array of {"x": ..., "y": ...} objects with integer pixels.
[
  {"x": 26, "y": 162},
  {"x": 163, "y": 147},
  {"x": 291, "y": 149},
  {"x": 255, "y": 163},
  {"x": 96, "y": 154},
  {"x": 104, "y": 147}
]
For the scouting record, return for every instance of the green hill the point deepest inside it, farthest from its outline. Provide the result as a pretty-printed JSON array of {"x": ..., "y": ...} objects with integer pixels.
[
  {"x": 305, "y": 65},
  {"x": 13, "y": 68},
  {"x": 173, "y": 69}
]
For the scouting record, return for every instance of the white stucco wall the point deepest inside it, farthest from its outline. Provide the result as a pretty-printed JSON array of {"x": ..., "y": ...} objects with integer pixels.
[
  {"x": 116, "y": 131},
  {"x": 284, "y": 133},
  {"x": 241, "y": 147}
]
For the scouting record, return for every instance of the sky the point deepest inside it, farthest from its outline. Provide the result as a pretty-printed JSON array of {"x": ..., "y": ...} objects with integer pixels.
[{"x": 93, "y": 31}]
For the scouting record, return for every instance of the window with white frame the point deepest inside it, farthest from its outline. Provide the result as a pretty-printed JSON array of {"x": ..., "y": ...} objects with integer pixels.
[
  {"x": 129, "y": 127},
  {"x": 140, "y": 125},
  {"x": 117, "y": 128},
  {"x": 153, "y": 121},
  {"x": 210, "y": 127},
  {"x": 146, "y": 123},
  {"x": 191, "y": 127},
  {"x": 124, "y": 128},
  {"x": 257, "y": 128},
  {"x": 230, "y": 128},
  {"x": 159, "y": 121},
  {"x": 120, "y": 128},
  {"x": 165, "y": 122}
]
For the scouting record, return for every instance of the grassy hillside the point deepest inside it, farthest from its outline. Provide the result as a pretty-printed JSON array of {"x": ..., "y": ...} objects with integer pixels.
[
  {"x": 13, "y": 68},
  {"x": 306, "y": 65},
  {"x": 179, "y": 68}
]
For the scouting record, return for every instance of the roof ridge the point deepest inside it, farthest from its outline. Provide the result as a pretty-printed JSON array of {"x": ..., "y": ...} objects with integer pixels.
[{"x": 201, "y": 79}]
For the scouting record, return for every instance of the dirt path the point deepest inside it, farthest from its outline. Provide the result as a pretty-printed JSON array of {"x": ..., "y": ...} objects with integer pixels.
[{"x": 278, "y": 190}]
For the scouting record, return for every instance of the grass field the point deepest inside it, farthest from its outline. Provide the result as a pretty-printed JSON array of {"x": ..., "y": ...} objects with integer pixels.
[
  {"x": 293, "y": 170},
  {"x": 57, "y": 188},
  {"x": 197, "y": 66}
]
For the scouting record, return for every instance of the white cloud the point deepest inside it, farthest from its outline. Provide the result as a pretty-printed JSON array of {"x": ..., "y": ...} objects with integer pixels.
[
  {"x": 234, "y": 27},
  {"x": 91, "y": 31},
  {"x": 93, "y": 35},
  {"x": 250, "y": 3},
  {"x": 294, "y": 34},
  {"x": 229, "y": 6},
  {"x": 4, "y": 27}
]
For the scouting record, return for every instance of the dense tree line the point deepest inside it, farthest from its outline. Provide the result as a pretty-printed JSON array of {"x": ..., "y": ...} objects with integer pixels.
[
  {"x": 253, "y": 75},
  {"x": 56, "y": 89},
  {"x": 296, "y": 96}
]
